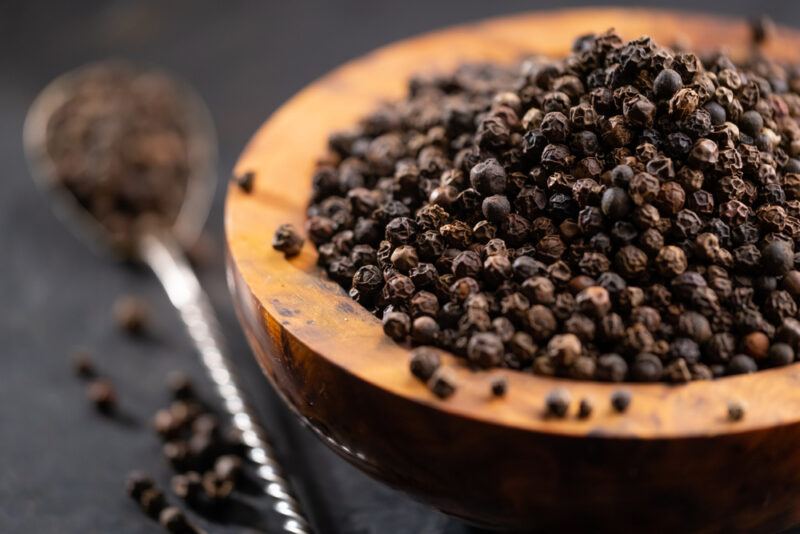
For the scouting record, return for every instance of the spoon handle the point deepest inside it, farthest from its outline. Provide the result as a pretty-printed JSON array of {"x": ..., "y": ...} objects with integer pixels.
[{"x": 168, "y": 262}]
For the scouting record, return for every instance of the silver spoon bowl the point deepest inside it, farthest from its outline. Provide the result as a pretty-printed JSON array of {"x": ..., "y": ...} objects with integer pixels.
[{"x": 162, "y": 249}]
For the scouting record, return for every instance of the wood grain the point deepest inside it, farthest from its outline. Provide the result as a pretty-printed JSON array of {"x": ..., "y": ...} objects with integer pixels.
[{"x": 672, "y": 462}]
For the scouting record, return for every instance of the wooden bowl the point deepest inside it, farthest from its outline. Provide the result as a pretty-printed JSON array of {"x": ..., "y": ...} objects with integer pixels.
[{"x": 673, "y": 462}]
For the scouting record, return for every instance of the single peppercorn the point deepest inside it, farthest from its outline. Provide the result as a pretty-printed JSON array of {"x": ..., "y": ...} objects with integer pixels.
[
  {"x": 485, "y": 350},
  {"x": 735, "y": 411},
  {"x": 287, "y": 240},
  {"x": 424, "y": 362},
  {"x": 666, "y": 84},
  {"x": 742, "y": 364},
  {"x": 496, "y": 208},
  {"x": 499, "y": 387},
  {"x": 442, "y": 383},
  {"x": 620, "y": 400},
  {"x": 103, "y": 395},
  {"x": 557, "y": 403},
  {"x": 397, "y": 325},
  {"x": 585, "y": 408}
]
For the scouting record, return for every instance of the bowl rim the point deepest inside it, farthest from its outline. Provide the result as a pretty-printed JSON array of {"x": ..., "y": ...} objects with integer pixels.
[{"x": 316, "y": 316}]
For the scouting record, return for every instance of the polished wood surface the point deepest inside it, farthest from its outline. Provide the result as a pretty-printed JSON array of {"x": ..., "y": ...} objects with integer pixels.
[{"x": 672, "y": 462}]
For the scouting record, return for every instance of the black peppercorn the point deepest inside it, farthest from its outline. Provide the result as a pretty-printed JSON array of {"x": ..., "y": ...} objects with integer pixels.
[
  {"x": 735, "y": 411},
  {"x": 397, "y": 325},
  {"x": 667, "y": 83},
  {"x": 424, "y": 362},
  {"x": 499, "y": 386},
  {"x": 485, "y": 350},
  {"x": 742, "y": 364},
  {"x": 557, "y": 403},
  {"x": 442, "y": 383},
  {"x": 585, "y": 408},
  {"x": 620, "y": 400}
]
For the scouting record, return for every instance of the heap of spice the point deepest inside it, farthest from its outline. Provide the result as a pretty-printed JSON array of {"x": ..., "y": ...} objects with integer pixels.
[
  {"x": 118, "y": 142},
  {"x": 627, "y": 213}
]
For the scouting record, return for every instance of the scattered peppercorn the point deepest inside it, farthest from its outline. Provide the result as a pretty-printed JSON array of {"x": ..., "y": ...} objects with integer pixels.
[
  {"x": 442, "y": 383},
  {"x": 585, "y": 408},
  {"x": 499, "y": 387},
  {"x": 620, "y": 400},
  {"x": 131, "y": 314},
  {"x": 175, "y": 521},
  {"x": 287, "y": 240},
  {"x": 735, "y": 411},
  {"x": 245, "y": 181},
  {"x": 103, "y": 395},
  {"x": 557, "y": 403},
  {"x": 136, "y": 483},
  {"x": 83, "y": 365}
]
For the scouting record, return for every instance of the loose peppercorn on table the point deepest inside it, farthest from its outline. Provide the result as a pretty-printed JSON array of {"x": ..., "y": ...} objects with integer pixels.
[{"x": 708, "y": 455}]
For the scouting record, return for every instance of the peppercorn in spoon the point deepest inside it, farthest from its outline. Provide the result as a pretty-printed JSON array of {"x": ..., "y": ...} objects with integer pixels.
[{"x": 128, "y": 155}]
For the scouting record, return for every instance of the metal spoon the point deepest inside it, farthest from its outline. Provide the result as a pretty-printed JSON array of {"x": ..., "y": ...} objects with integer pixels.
[{"x": 163, "y": 252}]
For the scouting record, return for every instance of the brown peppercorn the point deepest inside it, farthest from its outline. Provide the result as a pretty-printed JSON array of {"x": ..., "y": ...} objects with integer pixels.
[
  {"x": 216, "y": 488},
  {"x": 791, "y": 283},
  {"x": 188, "y": 486},
  {"x": 671, "y": 261},
  {"x": 424, "y": 330},
  {"x": 83, "y": 365},
  {"x": 136, "y": 483},
  {"x": 631, "y": 262},
  {"x": 131, "y": 314},
  {"x": 485, "y": 350},
  {"x": 152, "y": 502},
  {"x": 670, "y": 198},
  {"x": 735, "y": 411},
  {"x": 539, "y": 290},
  {"x": 103, "y": 395},
  {"x": 695, "y": 326},
  {"x": 541, "y": 322},
  {"x": 397, "y": 325},
  {"x": 564, "y": 349},
  {"x": 398, "y": 289},
  {"x": 175, "y": 521},
  {"x": 594, "y": 301},
  {"x": 404, "y": 258},
  {"x": 643, "y": 188},
  {"x": 756, "y": 345}
]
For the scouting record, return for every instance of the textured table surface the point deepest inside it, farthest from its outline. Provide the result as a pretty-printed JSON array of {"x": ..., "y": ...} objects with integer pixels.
[{"x": 62, "y": 468}]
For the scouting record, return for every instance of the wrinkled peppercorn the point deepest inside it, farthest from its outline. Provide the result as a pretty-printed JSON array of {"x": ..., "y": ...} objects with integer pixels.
[{"x": 287, "y": 240}]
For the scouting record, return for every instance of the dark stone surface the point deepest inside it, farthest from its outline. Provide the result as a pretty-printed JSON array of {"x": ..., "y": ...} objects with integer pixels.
[{"x": 62, "y": 467}]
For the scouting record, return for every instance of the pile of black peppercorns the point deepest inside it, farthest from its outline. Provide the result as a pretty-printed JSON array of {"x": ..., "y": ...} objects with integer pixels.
[
  {"x": 119, "y": 142},
  {"x": 627, "y": 213}
]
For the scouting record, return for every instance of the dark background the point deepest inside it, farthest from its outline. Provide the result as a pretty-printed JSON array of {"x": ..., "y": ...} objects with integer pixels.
[{"x": 62, "y": 467}]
